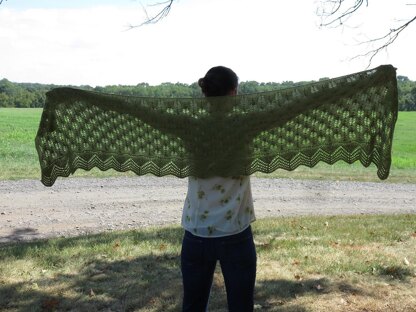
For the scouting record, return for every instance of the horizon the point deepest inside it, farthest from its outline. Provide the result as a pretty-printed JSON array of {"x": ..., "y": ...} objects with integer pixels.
[{"x": 176, "y": 82}]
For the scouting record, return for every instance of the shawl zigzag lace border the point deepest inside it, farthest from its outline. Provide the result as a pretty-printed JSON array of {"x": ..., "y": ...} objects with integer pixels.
[{"x": 350, "y": 118}]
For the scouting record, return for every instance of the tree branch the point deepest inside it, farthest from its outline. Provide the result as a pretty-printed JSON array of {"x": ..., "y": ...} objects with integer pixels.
[
  {"x": 388, "y": 39},
  {"x": 335, "y": 7},
  {"x": 167, "y": 5},
  {"x": 332, "y": 10}
]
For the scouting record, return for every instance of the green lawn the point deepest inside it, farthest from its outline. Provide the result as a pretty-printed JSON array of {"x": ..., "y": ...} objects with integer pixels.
[
  {"x": 306, "y": 264},
  {"x": 18, "y": 158}
]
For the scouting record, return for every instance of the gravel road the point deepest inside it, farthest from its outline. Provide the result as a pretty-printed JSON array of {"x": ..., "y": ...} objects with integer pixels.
[{"x": 75, "y": 206}]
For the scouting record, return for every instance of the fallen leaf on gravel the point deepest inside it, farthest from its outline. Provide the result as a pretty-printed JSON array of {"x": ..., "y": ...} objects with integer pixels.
[
  {"x": 261, "y": 244},
  {"x": 296, "y": 262},
  {"x": 334, "y": 244},
  {"x": 298, "y": 277}
]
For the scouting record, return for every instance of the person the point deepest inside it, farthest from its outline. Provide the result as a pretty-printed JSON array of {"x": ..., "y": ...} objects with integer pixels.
[{"x": 217, "y": 214}]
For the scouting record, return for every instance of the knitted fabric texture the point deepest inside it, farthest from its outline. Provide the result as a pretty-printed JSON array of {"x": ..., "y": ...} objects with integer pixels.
[{"x": 350, "y": 118}]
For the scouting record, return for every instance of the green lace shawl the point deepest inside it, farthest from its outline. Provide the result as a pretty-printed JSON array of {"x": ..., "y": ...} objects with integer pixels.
[{"x": 350, "y": 118}]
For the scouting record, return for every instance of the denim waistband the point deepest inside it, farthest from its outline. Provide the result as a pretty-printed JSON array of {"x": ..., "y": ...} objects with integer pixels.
[{"x": 247, "y": 233}]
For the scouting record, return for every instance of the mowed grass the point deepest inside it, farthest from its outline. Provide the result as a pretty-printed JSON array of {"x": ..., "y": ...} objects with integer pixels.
[
  {"x": 339, "y": 263},
  {"x": 18, "y": 157}
]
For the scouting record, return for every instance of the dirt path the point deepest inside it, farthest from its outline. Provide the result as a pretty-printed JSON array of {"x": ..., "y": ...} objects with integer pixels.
[{"x": 77, "y": 206}]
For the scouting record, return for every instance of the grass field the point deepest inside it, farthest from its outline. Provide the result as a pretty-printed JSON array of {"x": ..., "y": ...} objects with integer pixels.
[
  {"x": 305, "y": 264},
  {"x": 18, "y": 158},
  {"x": 339, "y": 263}
]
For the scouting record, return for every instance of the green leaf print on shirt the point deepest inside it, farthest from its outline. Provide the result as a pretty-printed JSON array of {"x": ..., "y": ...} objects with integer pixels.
[
  {"x": 211, "y": 230},
  {"x": 201, "y": 194},
  {"x": 225, "y": 200},
  {"x": 219, "y": 187},
  {"x": 204, "y": 215},
  {"x": 229, "y": 215}
]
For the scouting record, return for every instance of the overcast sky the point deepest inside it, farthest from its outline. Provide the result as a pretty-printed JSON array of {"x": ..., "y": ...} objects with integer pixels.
[{"x": 87, "y": 42}]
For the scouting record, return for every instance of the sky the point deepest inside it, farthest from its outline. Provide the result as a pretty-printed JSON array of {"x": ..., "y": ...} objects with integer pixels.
[{"x": 89, "y": 42}]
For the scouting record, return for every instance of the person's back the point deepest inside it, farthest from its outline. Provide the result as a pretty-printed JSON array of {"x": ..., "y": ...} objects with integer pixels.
[{"x": 216, "y": 217}]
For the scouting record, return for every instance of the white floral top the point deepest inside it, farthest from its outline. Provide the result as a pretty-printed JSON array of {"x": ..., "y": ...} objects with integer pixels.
[{"x": 218, "y": 206}]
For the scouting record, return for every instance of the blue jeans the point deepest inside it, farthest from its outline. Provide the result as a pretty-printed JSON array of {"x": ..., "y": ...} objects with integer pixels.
[{"x": 237, "y": 257}]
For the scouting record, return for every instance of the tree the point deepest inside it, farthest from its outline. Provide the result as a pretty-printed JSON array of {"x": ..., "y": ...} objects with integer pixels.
[
  {"x": 413, "y": 99},
  {"x": 14, "y": 94},
  {"x": 403, "y": 78}
]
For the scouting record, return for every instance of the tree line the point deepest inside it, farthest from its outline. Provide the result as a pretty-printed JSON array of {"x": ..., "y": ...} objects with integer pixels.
[{"x": 14, "y": 94}]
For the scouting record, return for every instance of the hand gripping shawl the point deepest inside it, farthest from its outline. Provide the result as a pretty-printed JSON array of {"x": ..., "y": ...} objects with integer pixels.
[{"x": 350, "y": 118}]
